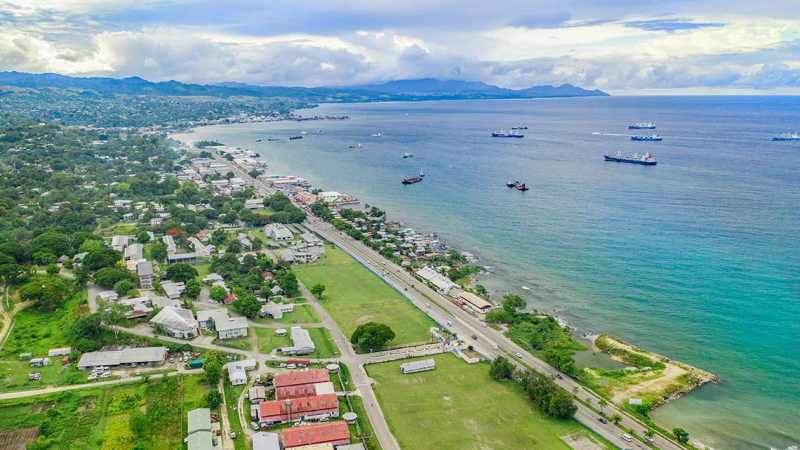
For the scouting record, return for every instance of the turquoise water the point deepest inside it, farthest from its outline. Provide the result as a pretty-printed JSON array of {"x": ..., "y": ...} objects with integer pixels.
[{"x": 696, "y": 258}]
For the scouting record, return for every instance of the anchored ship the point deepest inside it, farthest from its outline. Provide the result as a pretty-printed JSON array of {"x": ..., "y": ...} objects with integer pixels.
[
  {"x": 642, "y": 126},
  {"x": 293, "y": 138},
  {"x": 787, "y": 137},
  {"x": 407, "y": 155},
  {"x": 644, "y": 160},
  {"x": 518, "y": 185},
  {"x": 650, "y": 138},
  {"x": 414, "y": 180},
  {"x": 507, "y": 134}
]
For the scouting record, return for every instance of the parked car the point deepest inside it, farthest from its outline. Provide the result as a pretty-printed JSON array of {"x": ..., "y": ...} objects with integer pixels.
[{"x": 627, "y": 437}]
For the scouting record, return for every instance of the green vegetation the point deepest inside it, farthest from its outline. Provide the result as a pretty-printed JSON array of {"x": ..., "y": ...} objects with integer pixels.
[
  {"x": 232, "y": 394},
  {"x": 363, "y": 422},
  {"x": 152, "y": 415},
  {"x": 302, "y": 313},
  {"x": 326, "y": 348},
  {"x": 268, "y": 341},
  {"x": 371, "y": 337},
  {"x": 628, "y": 357},
  {"x": 459, "y": 406},
  {"x": 242, "y": 343},
  {"x": 354, "y": 296}
]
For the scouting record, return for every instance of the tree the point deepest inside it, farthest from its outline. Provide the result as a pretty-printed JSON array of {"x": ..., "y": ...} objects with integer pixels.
[
  {"x": 481, "y": 290},
  {"x": 234, "y": 247},
  {"x": 616, "y": 418},
  {"x": 112, "y": 313},
  {"x": 561, "y": 359},
  {"x": 52, "y": 269},
  {"x": 288, "y": 283},
  {"x": 501, "y": 369},
  {"x": 46, "y": 292},
  {"x": 13, "y": 274},
  {"x": 212, "y": 367},
  {"x": 217, "y": 293},
  {"x": 110, "y": 276},
  {"x": 681, "y": 435},
  {"x": 192, "y": 289},
  {"x": 561, "y": 405},
  {"x": 122, "y": 287},
  {"x": 143, "y": 237},
  {"x": 371, "y": 336},
  {"x": 102, "y": 257},
  {"x": 317, "y": 290},
  {"x": 512, "y": 303},
  {"x": 181, "y": 272},
  {"x": 214, "y": 399},
  {"x": 247, "y": 304},
  {"x": 158, "y": 251}
]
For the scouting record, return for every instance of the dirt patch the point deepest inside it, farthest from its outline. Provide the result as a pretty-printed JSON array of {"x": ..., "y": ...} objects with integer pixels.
[
  {"x": 580, "y": 441},
  {"x": 18, "y": 439},
  {"x": 41, "y": 407}
]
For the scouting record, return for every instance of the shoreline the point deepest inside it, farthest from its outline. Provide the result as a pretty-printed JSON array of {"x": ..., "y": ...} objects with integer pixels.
[{"x": 584, "y": 336}]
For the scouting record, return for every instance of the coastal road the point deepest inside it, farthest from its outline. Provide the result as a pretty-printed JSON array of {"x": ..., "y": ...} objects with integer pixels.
[{"x": 489, "y": 340}]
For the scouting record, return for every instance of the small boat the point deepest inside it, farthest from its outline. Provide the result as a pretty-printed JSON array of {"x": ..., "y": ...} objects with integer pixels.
[
  {"x": 521, "y": 187},
  {"x": 354, "y": 146},
  {"x": 647, "y": 138},
  {"x": 378, "y": 134},
  {"x": 787, "y": 137},
  {"x": 414, "y": 180},
  {"x": 642, "y": 126},
  {"x": 511, "y": 184},
  {"x": 643, "y": 160},
  {"x": 407, "y": 155},
  {"x": 523, "y": 127},
  {"x": 294, "y": 138},
  {"x": 272, "y": 139},
  {"x": 259, "y": 140},
  {"x": 507, "y": 134}
]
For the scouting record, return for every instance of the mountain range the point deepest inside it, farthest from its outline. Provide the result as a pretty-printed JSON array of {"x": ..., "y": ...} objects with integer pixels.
[{"x": 416, "y": 89}]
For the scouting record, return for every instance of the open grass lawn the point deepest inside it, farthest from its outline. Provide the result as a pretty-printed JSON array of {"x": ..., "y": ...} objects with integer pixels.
[
  {"x": 458, "y": 406},
  {"x": 354, "y": 295},
  {"x": 301, "y": 314},
  {"x": 125, "y": 228},
  {"x": 153, "y": 414},
  {"x": 326, "y": 348},
  {"x": 38, "y": 331},
  {"x": 363, "y": 422},
  {"x": 243, "y": 343},
  {"x": 232, "y": 394}
]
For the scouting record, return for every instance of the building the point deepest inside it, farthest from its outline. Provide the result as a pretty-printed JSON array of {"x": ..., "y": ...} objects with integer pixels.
[
  {"x": 247, "y": 244},
  {"x": 418, "y": 366},
  {"x": 325, "y": 446},
  {"x": 358, "y": 446},
  {"x": 237, "y": 370},
  {"x": 144, "y": 270},
  {"x": 172, "y": 289},
  {"x": 226, "y": 327},
  {"x": 304, "y": 390},
  {"x": 301, "y": 343},
  {"x": 302, "y": 254},
  {"x": 189, "y": 258},
  {"x": 108, "y": 296},
  {"x": 119, "y": 243},
  {"x": 257, "y": 394},
  {"x": 266, "y": 441},
  {"x": 254, "y": 203},
  {"x": 439, "y": 281},
  {"x": 213, "y": 278},
  {"x": 177, "y": 322},
  {"x": 298, "y": 409},
  {"x": 474, "y": 302},
  {"x": 63, "y": 351},
  {"x": 335, "y": 433},
  {"x": 125, "y": 357},
  {"x": 134, "y": 252},
  {"x": 275, "y": 310},
  {"x": 199, "y": 430},
  {"x": 278, "y": 232},
  {"x": 300, "y": 377},
  {"x": 169, "y": 241}
]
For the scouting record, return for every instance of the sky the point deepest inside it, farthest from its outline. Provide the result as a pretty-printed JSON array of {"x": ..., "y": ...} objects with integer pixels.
[{"x": 617, "y": 45}]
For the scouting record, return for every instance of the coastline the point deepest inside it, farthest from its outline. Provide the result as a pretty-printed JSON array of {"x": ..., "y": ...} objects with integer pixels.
[{"x": 578, "y": 334}]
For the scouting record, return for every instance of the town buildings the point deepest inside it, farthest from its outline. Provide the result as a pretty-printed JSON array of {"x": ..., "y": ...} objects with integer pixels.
[
  {"x": 301, "y": 342},
  {"x": 124, "y": 357},
  {"x": 335, "y": 433},
  {"x": 177, "y": 322}
]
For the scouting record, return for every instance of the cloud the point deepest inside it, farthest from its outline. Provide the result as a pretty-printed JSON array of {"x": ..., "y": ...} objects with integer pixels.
[{"x": 670, "y": 25}]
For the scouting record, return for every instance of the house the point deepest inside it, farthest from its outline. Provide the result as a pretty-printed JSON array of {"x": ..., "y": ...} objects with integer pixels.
[
  {"x": 300, "y": 377},
  {"x": 189, "y": 258},
  {"x": 275, "y": 310},
  {"x": 318, "y": 407},
  {"x": 266, "y": 441},
  {"x": 63, "y": 351},
  {"x": 301, "y": 343},
  {"x": 230, "y": 298},
  {"x": 304, "y": 390},
  {"x": 172, "y": 289},
  {"x": 237, "y": 371},
  {"x": 439, "y": 281},
  {"x": 335, "y": 433},
  {"x": 119, "y": 243},
  {"x": 138, "y": 307},
  {"x": 125, "y": 357},
  {"x": 199, "y": 430},
  {"x": 213, "y": 278},
  {"x": 108, "y": 296},
  {"x": 144, "y": 270},
  {"x": 254, "y": 203},
  {"x": 302, "y": 255},
  {"x": 278, "y": 232},
  {"x": 247, "y": 244},
  {"x": 227, "y": 327},
  {"x": 169, "y": 241},
  {"x": 177, "y": 322},
  {"x": 474, "y": 302},
  {"x": 134, "y": 252},
  {"x": 418, "y": 366},
  {"x": 257, "y": 394}
]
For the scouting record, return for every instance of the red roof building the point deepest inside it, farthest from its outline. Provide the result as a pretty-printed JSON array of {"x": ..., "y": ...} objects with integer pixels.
[
  {"x": 230, "y": 298},
  {"x": 335, "y": 433},
  {"x": 300, "y": 377},
  {"x": 297, "y": 409},
  {"x": 301, "y": 390}
]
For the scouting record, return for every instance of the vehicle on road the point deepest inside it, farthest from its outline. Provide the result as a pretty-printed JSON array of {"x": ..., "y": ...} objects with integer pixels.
[
  {"x": 518, "y": 354},
  {"x": 602, "y": 420},
  {"x": 627, "y": 437}
]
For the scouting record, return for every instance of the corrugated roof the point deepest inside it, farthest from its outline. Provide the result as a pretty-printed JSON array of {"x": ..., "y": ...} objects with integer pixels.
[
  {"x": 301, "y": 405},
  {"x": 175, "y": 318},
  {"x": 315, "y": 434},
  {"x": 127, "y": 356},
  {"x": 297, "y": 377},
  {"x": 199, "y": 419},
  {"x": 266, "y": 441},
  {"x": 200, "y": 440}
]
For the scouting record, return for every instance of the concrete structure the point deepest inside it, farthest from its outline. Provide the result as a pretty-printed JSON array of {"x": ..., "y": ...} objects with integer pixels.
[
  {"x": 301, "y": 343},
  {"x": 125, "y": 357},
  {"x": 170, "y": 243},
  {"x": 298, "y": 409},
  {"x": 119, "y": 242},
  {"x": 254, "y": 203},
  {"x": 257, "y": 394},
  {"x": 275, "y": 310},
  {"x": 302, "y": 254},
  {"x": 199, "y": 430},
  {"x": 474, "y": 302},
  {"x": 237, "y": 370},
  {"x": 134, "y": 252},
  {"x": 335, "y": 433},
  {"x": 177, "y": 322},
  {"x": 266, "y": 441},
  {"x": 144, "y": 270},
  {"x": 189, "y": 258},
  {"x": 325, "y": 446},
  {"x": 278, "y": 232},
  {"x": 108, "y": 296},
  {"x": 358, "y": 446},
  {"x": 304, "y": 390},
  {"x": 300, "y": 377},
  {"x": 226, "y": 327},
  {"x": 418, "y": 366},
  {"x": 172, "y": 289},
  {"x": 439, "y": 281},
  {"x": 213, "y": 278}
]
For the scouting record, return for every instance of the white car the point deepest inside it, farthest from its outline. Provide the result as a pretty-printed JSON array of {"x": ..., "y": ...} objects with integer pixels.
[
  {"x": 105, "y": 374},
  {"x": 518, "y": 355},
  {"x": 627, "y": 437}
]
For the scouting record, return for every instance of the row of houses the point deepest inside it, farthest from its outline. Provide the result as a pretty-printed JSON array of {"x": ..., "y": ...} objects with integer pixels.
[
  {"x": 181, "y": 323},
  {"x": 461, "y": 297}
]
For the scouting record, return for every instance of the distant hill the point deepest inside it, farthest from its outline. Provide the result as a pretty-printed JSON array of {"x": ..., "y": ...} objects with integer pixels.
[{"x": 419, "y": 89}]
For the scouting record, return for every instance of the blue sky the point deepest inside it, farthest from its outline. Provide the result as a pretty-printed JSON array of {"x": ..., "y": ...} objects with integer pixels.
[{"x": 616, "y": 45}]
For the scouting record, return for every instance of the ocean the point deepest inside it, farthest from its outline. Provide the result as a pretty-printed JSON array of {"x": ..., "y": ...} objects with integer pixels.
[{"x": 697, "y": 258}]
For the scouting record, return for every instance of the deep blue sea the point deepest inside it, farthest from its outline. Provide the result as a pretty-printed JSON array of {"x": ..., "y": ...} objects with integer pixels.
[{"x": 697, "y": 258}]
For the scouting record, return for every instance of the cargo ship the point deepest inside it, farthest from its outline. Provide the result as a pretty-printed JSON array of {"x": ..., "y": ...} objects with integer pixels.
[
  {"x": 407, "y": 155},
  {"x": 787, "y": 137},
  {"x": 648, "y": 138},
  {"x": 292, "y": 138},
  {"x": 507, "y": 134},
  {"x": 522, "y": 127},
  {"x": 414, "y": 180},
  {"x": 642, "y": 126},
  {"x": 644, "y": 160}
]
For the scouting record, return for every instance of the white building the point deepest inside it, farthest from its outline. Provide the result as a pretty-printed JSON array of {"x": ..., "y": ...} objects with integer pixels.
[
  {"x": 301, "y": 343},
  {"x": 177, "y": 322},
  {"x": 275, "y": 310},
  {"x": 172, "y": 289},
  {"x": 254, "y": 203},
  {"x": 227, "y": 327},
  {"x": 418, "y": 366},
  {"x": 439, "y": 281},
  {"x": 278, "y": 232},
  {"x": 119, "y": 243}
]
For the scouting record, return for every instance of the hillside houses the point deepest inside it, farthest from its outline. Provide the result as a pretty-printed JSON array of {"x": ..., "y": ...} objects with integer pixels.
[
  {"x": 177, "y": 322},
  {"x": 226, "y": 327}
]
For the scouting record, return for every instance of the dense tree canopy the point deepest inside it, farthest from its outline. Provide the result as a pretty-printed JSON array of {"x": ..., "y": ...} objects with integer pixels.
[{"x": 371, "y": 336}]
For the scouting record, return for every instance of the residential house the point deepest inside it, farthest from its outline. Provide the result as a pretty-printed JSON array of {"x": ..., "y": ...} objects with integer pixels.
[
  {"x": 134, "y": 252},
  {"x": 439, "y": 281},
  {"x": 119, "y": 243},
  {"x": 278, "y": 232},
  {"x": 301, "y": 343},
  {"x": 335, "y": 433},
  {"x": 272, "y": 412},
  {"x": 237, "y": 371},
  {"x": 108, "y": 296},
  {"x": 177, "y": 322},
  {"x": 257, "y": 394},
  {"x": 173, "y": 290},
  {"x": 144, "y": 270},
  {"x": 226, "y": 327},
  {"x": 274, "y": 310}
]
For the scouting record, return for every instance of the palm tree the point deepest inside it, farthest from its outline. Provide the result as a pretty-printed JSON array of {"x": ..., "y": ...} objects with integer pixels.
[{"x": 616, "y": 419}]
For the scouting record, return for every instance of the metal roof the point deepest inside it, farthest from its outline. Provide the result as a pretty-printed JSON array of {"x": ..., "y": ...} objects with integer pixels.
[
  {"x": 175, "y": 319},
  {"x": 138, "y": 355},
  {"x": 199, "y": 420}
]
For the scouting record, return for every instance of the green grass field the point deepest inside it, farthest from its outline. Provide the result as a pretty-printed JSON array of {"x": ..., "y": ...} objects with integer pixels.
[
  {"x": 301, "y": 314},
  {"x": 354, "y": 295},
  {"x": 232, "y": 394},
  {"x": 326, "y": 348},
  {"x": 118, "y": 417},
  {"x": 458, "y": 406},
  {"x": 243, "y": 343}
]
